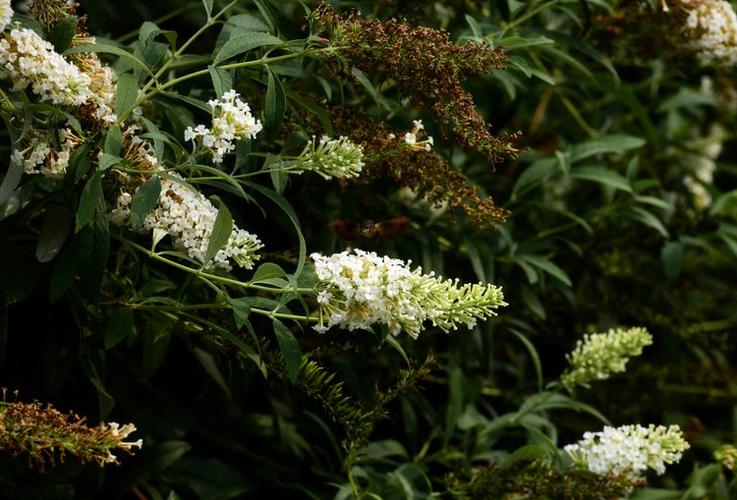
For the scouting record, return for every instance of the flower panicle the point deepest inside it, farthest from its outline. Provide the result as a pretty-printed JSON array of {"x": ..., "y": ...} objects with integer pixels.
[
  {"x": 629, "y": 450},
  {"x": 359, "y": 289},
  {"x": 46, "y": 435},
  {"x": 597, "y": 356},
  {"x": 189, "y": 218}
]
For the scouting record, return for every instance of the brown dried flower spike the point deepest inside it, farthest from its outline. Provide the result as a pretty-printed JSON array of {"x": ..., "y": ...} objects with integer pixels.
[
  {"x": 425, "y": 65},
  {"x": 46, "y": 435}
]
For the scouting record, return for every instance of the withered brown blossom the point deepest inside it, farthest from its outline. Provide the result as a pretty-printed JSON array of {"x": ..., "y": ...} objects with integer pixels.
[
  {"x": 423, "y": 171},
  {"x": 426, "y": 66},
  {"x": 45, "y": 435}
]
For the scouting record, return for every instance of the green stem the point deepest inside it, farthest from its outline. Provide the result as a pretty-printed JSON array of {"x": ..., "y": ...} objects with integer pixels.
[
  {"x": 160, "y": 20},
  {"x": 213, "y": 277},
  {"x": 196, "y": 307}
]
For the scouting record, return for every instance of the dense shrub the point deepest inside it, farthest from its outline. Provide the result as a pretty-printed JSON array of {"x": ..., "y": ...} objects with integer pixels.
[{"x": 393, "y": 249}]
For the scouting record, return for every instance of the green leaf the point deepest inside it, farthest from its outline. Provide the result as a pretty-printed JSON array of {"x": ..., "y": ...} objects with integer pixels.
[
  {"x": 533, "y": 355},
  {"x": 210, "y": 365},
  {"x": 266, "y": 271},
  {"x": 145, "y": 200},
  {"x": 244, "y": 42},
  {"x": 222, "y": 80},
  {"x": 267, "y": 10},
  {"x": 54, "y": 232},
  {"x": 91, "y": 194},
  {"x": 275, "y": 106},
  {"x": 672, "y": 258},
  {"x": 605, "y": 144},
  {"x": 110, "y": 49},
  {"x": 208, "y": 7},
  {"x": 603, "y": 176},
  {"x": 221, "y": 231},
  {"x": 61, "y": 34},
  {"x": 126, "y": 94},
  {"x": 120, "y": 325},
  {"x": 113, "y": 141},
  {"x": 455, "y": 400},
  {"x": 369, "y": 87},
  {"x": 10, "y": 181},
  {"x": 289, "y": 347},
  {"x": 647, "y": 218},
  {"x": 546, "y": 266}
]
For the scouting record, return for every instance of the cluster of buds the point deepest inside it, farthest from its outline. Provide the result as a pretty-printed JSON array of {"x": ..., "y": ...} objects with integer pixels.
[
  {"x": 600, "y": 355},
  {"x": 331, "y": 158},
  {"x": 710, "y": 28}
]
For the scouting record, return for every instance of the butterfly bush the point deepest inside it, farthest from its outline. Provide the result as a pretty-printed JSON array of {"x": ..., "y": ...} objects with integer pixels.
[
  {"x": 188, "y": 217},
  {"x": 231, "y": 121},
  {"x": 359, "y": 289},
  {"x": 339, "y": 158},
  {"x": 600, "y": 355},
  {"x": 629, "y": 450},
  {"x": 711, "y": 27}
]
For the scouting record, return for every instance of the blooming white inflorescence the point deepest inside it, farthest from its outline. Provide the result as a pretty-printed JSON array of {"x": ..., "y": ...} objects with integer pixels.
[
  {"x": 702, "y": 164},
  {"x": 599, "y": 355},
  {"x": 339, "y": 158},
  {"x": 31, "y": 60},
  {"x": 358, "y": 289},
  {"x": 231, "y": 120},
  {"x": 6, "y": 14},
  {"x": 188, "y": 217},
  {"x": 711, "y": 27},
  {"x": 629, "y": 450},
  {"x": 39, "y": 158}
]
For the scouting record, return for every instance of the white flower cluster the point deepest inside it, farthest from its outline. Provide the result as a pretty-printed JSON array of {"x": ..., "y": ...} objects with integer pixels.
[
  {"x": 339, "y": 158},
  {"x": 629, "y": 450},
  {"x": 40, "y": 158},
  {"x": 231, "y": 120},
  {"x": 711, "y": 27},
  {"x": 703, "y": 164},
  {"x": 599, "y": 355},
  {"x": 117, "y": 435},
  {"x": 31, "y": 60},
  {"x": 359, "y": 289},
  {"x": 6, "y": 14},
  {"x": 188, "y": 217}
]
